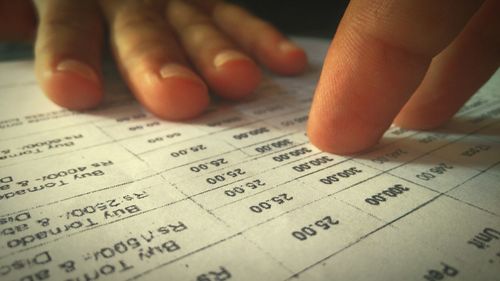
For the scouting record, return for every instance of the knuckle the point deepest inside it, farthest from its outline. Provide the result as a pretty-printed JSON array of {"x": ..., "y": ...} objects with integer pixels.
[
  {"x": 143, "y": 51},
  {"x": 198, "y": 30},
  {"x": 125, "y": 21}
]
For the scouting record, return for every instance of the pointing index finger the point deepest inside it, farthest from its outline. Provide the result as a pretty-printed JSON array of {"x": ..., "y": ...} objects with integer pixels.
[{"x": 380, "y": 54}]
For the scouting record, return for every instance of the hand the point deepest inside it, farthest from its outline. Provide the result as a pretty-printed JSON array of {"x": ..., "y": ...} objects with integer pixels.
[
  {"x": 415, "y": 62},
  {"x": 154, "y": 43}
]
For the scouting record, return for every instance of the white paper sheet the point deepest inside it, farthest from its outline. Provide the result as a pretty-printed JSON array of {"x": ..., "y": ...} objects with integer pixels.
[{"x": 240, "y": 194}]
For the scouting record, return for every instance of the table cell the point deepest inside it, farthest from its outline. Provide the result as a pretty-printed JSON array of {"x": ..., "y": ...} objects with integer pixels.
[
  {"x": 309, "y": 234},
  {"x": 386, "y": 197},
  {"x": 439, "y": 174},
  {"x": 456, "y": 229},
  {"x": 233, "y": 259},
  {"x": 482, "y": 191},
  {"x": 266, "y": 205}
]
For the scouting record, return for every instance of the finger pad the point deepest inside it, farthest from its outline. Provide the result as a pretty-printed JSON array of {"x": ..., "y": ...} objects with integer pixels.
[{"x": 341, "y": 134}]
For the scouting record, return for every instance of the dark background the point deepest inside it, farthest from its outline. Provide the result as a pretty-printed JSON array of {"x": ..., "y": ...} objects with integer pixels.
[
  {"x": 312, "y": 18},
  {"x": 306, "y": 18}
]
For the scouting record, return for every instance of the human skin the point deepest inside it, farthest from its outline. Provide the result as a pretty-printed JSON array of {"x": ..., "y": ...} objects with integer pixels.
[{"x": 413, "y": 62}]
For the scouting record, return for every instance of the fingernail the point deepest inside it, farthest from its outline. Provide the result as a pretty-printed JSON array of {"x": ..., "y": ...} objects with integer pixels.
[
  {"x": 177, "y": 70},
  {"x": 227, "y": 56},
  {"x": 79, "y": 68},
  {"x": 287, "y": 46}
]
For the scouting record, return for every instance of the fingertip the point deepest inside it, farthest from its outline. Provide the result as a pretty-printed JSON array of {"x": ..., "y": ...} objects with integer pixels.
[
  {"x": 177, "y": 98},
  {"x": 261, "y": 39},
  {"x": 332, "y": 129},
  {"x": 284, "y": 58},
  {"x": 338, "y": 140},
  {"x": 422, "y": 120},
  {"x": 175, "y": 94},
  {"x": 293, "y": 59},
  {"x": 429, "y": 107},
  {"x": 235, "y": 76},
  {"x": 73, "y": 85}
]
